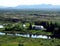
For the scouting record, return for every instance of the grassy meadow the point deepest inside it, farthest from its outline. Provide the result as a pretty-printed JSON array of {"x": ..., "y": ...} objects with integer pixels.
[{"x": 15, "y": 41}]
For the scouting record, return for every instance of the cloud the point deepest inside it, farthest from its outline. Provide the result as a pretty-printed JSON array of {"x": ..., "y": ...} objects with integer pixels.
[{"x": 27, "y": 2}]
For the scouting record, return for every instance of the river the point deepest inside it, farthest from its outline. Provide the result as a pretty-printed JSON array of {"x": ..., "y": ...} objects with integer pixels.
[{"x": 28, "y": 35}]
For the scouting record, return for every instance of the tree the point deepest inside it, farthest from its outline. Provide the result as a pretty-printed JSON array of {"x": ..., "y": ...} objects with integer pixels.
[
  {"x": 30, "y": 26},
  {"x": 8, "y": 27}
]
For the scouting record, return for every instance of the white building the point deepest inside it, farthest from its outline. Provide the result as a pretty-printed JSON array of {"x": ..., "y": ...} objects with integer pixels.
[{"x": 37, "y": 27}]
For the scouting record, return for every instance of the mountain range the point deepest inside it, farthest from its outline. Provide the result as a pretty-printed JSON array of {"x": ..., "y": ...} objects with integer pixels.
[{"x": 41, "y": 6}]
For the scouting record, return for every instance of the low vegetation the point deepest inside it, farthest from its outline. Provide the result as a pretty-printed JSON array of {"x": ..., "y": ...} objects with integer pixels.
[{"x": 16, "y": 41}]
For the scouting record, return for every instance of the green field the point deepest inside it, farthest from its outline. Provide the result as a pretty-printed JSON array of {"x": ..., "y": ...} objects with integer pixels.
[{"x": 15, "y": 41}]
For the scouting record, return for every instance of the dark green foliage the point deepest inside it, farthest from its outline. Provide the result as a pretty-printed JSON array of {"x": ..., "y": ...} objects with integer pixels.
[
  {"x": 20, "y": 44},
  {"x": 57, "y": 45},
  {"x": 30, "y": 27}
]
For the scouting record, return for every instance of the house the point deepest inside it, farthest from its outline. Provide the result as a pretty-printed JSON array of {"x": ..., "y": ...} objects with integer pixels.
[{"x": 37, "y": 27}]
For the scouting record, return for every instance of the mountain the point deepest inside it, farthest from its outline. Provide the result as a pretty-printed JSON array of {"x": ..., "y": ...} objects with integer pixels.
[{"x": 39, "y": 7}]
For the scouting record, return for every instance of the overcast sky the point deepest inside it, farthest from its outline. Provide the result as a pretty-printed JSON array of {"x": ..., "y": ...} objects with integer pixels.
[{"x": 13, "y": 3}]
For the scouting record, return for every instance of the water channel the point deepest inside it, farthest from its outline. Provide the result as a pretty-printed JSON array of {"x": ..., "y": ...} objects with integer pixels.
[{"x": 28, "y": 35}]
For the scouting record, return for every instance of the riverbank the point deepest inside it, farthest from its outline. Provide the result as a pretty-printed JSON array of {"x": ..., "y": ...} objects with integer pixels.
[{"x": 7, "y": 40}]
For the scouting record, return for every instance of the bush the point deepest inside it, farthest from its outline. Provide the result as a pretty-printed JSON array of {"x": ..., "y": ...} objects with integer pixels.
[{"x": 20, "y": 44}]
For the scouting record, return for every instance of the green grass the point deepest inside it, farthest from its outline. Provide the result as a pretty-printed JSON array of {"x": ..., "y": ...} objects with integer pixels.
[
  {"x": 14, "y": 41},
  {"x": 42, "y": 32}
]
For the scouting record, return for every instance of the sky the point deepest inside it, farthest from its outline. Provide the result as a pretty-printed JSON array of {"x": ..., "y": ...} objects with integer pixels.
[{"x": 13, "y": 3}]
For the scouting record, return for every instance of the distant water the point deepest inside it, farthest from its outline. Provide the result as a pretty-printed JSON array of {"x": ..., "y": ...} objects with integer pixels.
[
  {"x": 28, "y": 35},
  {"x": 2, "y": 33}
]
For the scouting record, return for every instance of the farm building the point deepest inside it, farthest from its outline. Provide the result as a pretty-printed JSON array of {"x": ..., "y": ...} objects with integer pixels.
[{"x": 37, "y": 27}]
